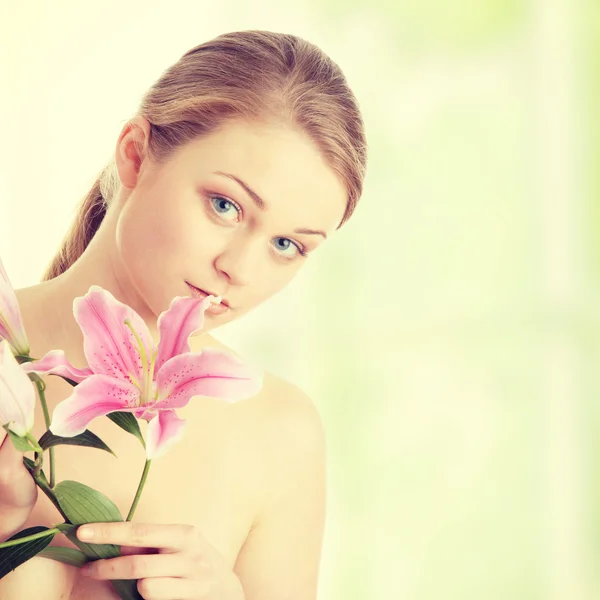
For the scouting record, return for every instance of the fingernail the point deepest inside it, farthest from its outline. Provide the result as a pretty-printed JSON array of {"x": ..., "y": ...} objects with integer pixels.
[{"x": 85, "y": 533}]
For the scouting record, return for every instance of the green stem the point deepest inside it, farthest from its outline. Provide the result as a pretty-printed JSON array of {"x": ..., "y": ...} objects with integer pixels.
[
  {"x": 138, "y": 494},
  {"x": 34, "y": 443},
  {"x": 30, "y": 538},
  {"x": 41, "y": 387},
  {"x": 38, "y": 464},
  {"x": 42, "y": 483}
]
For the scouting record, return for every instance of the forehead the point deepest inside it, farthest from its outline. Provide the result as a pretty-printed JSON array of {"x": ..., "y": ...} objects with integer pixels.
[{"x": 281, "y": 164}]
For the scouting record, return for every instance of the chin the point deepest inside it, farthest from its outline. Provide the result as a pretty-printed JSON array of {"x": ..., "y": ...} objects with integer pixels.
[{"x": 155, "y": 304}]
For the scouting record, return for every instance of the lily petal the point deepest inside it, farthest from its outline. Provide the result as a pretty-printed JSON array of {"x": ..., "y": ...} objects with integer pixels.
[
  {"x": 162, "y": 432},
  {"x": 145, "y": 413},
  {"x": 11, "y": 321},
  {"x": 94, "y": 397},
  {"x": 211, "y": 373},
  {"x": 17, "y": 396},
  {"x": 175, "y": 325},
  {"x": 109, "y": 345},
  {"x": 55, "y": 363}
]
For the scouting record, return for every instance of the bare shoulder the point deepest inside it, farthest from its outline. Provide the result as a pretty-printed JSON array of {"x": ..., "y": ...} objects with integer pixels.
[
  {"x": 288, "y": 429},
  {"x": 280, "y": 558},
  {"x": 296, "y": 423},
  {"x": 292, "y": 429},
  {"x": 284, "y": 462},
  {"x": 288, "y": 413}
]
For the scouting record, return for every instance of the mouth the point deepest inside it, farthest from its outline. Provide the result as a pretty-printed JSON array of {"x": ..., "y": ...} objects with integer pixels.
[{"x": 215, "y": 309}]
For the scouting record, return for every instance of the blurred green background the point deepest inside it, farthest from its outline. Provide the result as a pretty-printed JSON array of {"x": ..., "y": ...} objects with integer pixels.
[{"x": 450, "y": 335}]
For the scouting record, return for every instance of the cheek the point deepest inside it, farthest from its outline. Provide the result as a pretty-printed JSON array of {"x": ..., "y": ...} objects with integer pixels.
[
  {"x": 178, "y": 234},
  {"x": 150, "y": 240},
  {"x": 275, "y": 278},
  {"x": 168, "y": 230}
]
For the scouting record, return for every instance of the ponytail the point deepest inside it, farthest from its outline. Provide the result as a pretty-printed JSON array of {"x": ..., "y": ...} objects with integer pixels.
[{"x": 89, "y": 216}]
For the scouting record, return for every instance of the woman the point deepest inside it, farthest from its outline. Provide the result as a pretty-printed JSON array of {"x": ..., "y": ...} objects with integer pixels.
[{"x": 242, "y": 159}]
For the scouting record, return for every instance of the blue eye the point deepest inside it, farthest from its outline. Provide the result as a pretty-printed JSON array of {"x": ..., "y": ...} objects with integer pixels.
[
  {"x": 283, "y": 244},
  {"x": 222, "y": 206}
]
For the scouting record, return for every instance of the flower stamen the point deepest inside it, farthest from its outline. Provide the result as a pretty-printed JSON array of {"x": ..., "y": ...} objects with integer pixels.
[
  {"x": 141, "y": 349},
  {"x": 145, "y": 386}
]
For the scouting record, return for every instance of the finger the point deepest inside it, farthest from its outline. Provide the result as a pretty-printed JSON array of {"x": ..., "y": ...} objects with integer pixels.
[
  {"x": 139, "y": 566},
  {"x": 167, "y": 588},
  {"x": 172, "y": 537}
]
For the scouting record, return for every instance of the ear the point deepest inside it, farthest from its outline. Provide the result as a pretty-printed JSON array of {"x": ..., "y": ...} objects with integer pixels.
[{"x": 131, "y": 150}]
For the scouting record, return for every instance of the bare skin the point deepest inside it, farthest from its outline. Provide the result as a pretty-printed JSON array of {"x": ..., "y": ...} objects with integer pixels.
[
  {"x": 249, "y": 477},
  {"x": 219, "y": 498}
]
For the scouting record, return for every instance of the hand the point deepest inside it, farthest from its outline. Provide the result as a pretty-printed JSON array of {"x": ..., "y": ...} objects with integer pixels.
[
  {"x": 183, "y": 565},
  {"x": 18, "y": 491}
]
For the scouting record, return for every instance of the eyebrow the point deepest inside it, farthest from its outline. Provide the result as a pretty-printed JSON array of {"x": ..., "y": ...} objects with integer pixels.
[{"x": 262, "y": 205}]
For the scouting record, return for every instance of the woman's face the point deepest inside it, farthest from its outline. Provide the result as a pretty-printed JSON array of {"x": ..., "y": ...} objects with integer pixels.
[{"x": 236, "y": 214}]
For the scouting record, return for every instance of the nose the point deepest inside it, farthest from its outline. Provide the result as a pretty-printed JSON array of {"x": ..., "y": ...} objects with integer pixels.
[{"x": 239, "y": 260}]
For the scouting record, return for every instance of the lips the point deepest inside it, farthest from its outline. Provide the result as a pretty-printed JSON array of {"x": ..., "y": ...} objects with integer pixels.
[{"x": 208, "y": 293}]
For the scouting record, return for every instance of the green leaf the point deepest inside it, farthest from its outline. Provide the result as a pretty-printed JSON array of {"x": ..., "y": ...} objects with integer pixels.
[
  {"x": 21, "y": 444},
  {"x": 22, "y": 358},
  {"x": 129, "y": 423},
  {"x": 13, "y": 556},
  {"x": 82, "y": 504},
  {"x": 127, "y": 589},
  {"x": 69, "y": 556},
  {"x": 87, "y": 439}
]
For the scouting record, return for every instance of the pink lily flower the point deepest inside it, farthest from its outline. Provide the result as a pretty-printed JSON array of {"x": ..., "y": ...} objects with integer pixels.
[
  {"x": 17, "y": 396},
  {"x": 11, "y": 322},
  {"x": 128, "y": 372}
]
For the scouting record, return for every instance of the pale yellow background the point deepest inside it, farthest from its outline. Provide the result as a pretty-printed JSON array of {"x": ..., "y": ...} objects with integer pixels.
[{"x": 450, "y": 334}]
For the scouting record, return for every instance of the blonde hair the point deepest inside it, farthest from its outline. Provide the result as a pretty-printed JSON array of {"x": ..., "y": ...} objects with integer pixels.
[{"x": 254, "y": 75}]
